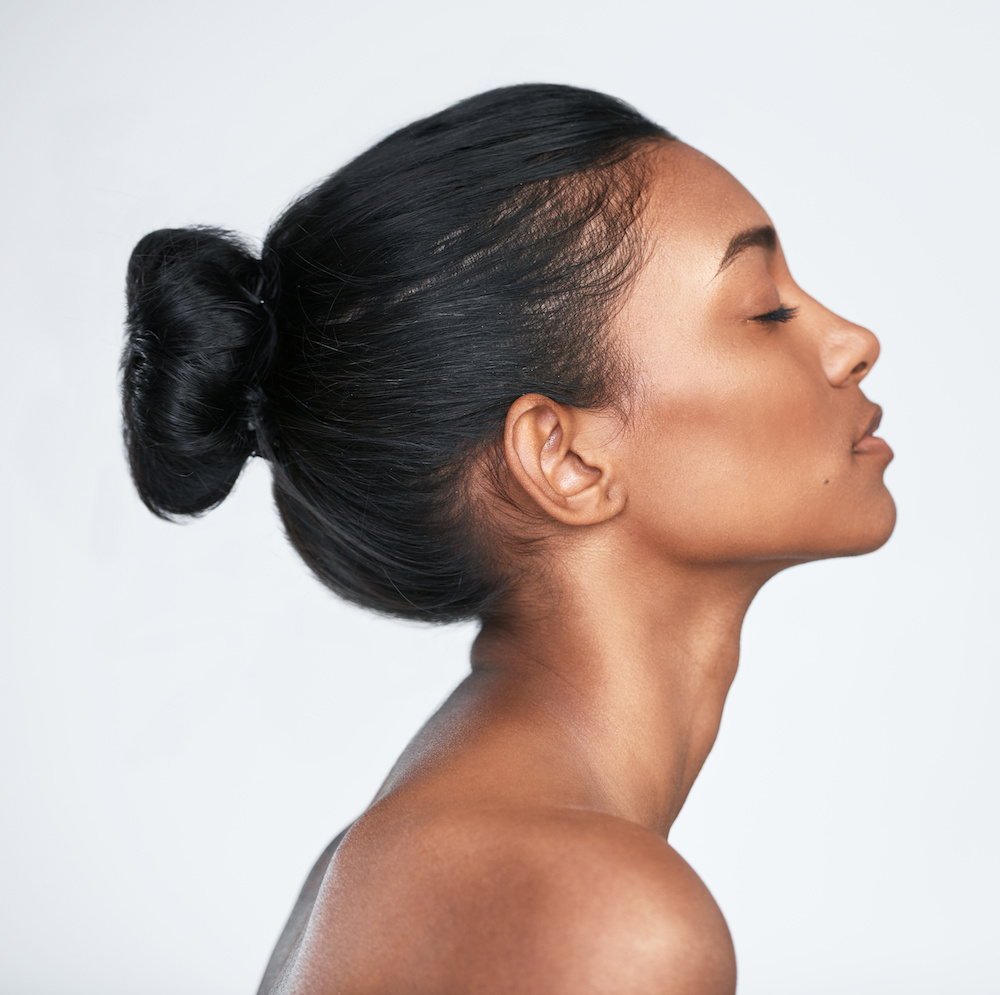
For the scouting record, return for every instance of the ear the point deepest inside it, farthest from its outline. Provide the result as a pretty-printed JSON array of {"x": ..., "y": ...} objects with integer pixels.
[{"x": 562, "y": 458}]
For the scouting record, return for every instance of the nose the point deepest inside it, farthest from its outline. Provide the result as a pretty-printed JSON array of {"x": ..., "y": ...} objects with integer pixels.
[{"x": 849, "y": 351}]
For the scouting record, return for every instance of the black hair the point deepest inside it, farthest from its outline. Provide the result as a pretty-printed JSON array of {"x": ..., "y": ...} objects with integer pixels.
[{"x": 372, "y": 351}]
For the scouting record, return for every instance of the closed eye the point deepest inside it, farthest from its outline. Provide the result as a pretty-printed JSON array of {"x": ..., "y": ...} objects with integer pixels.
[{"x": 779, "y": 314}]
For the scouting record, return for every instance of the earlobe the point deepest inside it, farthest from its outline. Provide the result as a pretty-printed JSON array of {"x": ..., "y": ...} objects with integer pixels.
[{"x": 554, "y": 453}]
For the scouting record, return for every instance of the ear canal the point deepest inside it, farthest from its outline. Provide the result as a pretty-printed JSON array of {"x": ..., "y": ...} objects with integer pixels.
[{"x": 571, "y": 475}]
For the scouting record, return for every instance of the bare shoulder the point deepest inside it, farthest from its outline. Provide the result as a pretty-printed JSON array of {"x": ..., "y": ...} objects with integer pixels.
[
  {"x": 598, "y": 904},
  {"x": 504, "y": 902}
]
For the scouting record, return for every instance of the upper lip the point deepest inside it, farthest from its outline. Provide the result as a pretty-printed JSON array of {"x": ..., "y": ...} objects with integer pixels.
[{"x": 873, "y": 423}]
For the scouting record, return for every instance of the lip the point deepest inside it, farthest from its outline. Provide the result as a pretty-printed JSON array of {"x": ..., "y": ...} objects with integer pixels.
[{"x": 870, "y": 443}]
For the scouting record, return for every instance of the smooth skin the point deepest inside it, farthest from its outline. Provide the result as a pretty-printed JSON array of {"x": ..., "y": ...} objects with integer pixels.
[{"x": 520, "y": 843}]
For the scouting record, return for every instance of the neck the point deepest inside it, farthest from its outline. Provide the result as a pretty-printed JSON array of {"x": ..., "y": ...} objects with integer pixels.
[{"x": 631, "y": 675}]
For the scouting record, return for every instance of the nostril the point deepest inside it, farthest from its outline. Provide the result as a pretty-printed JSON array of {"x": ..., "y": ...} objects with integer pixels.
[{"x": 863, "y": 365}]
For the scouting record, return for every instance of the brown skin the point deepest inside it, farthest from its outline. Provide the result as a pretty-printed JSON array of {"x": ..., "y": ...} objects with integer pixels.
[{"x": 520, "y": 843}]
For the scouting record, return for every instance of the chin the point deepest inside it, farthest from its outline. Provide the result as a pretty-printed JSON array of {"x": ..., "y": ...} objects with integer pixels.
[
  {"x": 872, "y": 533},
  {"x": 843, "y": 536}
]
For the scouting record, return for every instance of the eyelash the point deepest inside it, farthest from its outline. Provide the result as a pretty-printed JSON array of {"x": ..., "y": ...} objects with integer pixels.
[{"x": 779, "y": 315}]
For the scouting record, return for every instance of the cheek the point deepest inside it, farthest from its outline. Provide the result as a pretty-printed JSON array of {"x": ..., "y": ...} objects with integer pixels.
[{"x": 747, "y": 462}]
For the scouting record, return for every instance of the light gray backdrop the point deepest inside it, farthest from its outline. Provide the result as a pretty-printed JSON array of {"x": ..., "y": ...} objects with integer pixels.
[{"x": 187, "y": 717}]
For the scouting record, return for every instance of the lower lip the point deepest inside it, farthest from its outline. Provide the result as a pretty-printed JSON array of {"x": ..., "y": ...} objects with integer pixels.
[{"x": 874, "y": 445}]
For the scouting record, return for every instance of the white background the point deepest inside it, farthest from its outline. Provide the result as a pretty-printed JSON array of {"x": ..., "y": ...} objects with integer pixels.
[{"x": 186, "y": 717}]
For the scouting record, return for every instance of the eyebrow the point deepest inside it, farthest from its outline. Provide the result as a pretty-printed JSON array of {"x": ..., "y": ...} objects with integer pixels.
[{"x": 764, "y": 236}]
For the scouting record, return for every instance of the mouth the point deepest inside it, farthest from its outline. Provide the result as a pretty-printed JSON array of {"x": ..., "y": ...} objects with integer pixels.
[{"x": 869, "y": 443}]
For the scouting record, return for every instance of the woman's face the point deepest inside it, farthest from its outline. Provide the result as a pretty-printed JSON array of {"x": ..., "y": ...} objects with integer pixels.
[{"x": 750, "y": 435}]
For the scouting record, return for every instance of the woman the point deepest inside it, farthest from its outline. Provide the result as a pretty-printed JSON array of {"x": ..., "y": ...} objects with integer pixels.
[{"x": 531, "y": 360}]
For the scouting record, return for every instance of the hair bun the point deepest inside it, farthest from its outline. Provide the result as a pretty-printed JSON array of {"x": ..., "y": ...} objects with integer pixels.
[{"x": 196, "y": 332}]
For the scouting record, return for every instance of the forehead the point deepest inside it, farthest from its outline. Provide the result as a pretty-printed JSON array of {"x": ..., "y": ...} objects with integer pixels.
[{"x": 694, "y": 208}]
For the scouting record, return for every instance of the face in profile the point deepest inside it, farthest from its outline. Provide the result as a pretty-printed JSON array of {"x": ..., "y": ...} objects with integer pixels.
[{"x": 751, "y": 438}]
